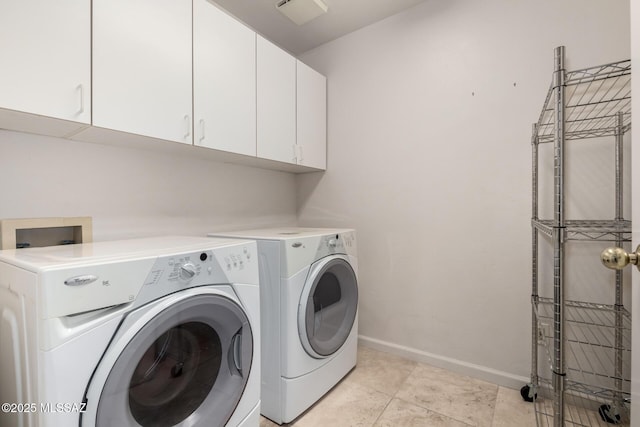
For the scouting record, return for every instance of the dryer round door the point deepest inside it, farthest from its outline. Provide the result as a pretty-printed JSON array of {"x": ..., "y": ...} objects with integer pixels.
[
  {"x": 187, "y": 366},
  {"x": 328, "y": 306}
]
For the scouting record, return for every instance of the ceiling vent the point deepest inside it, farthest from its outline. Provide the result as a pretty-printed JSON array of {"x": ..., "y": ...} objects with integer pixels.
[{"x": 301, "y": 11}]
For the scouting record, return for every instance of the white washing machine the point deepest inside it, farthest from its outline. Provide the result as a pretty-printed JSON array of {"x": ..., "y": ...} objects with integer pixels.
[
  {"x": 309, "y": 297},
  {"x": 146, "y": 332}
]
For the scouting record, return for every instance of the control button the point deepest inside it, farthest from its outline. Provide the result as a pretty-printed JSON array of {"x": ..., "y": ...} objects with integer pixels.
[
  {"x": 203, "y": 256},
  {"x": 332, "y": 243},
  {"x": 187, "y": 271}
]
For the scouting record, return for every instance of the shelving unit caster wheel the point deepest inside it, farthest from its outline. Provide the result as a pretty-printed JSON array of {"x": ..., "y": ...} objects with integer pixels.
[
  {"x": 528, "y": 394},
  {"x": 612, "y": 417}
]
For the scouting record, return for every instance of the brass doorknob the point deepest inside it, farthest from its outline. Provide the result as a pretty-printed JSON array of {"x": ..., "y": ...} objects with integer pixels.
[{"x": 618, "y": 258}]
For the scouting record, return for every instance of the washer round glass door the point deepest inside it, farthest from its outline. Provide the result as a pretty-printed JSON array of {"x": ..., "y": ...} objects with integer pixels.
[
  {"x": 188, "y": 366},
  {"x": 328, "y": 306}
]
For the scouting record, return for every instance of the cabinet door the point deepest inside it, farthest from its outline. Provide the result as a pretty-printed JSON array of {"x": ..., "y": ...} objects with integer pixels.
[
  {"x": 142, "y": 67},
  {"x": 46, "y": 58},
  {"x": 224, "y": 81},
  {"x": 276, "y": 102},
  {"x": 311, "y": 109}
]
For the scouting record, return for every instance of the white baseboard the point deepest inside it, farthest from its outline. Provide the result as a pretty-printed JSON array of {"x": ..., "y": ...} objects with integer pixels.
[{"x": 484, "y": 373}]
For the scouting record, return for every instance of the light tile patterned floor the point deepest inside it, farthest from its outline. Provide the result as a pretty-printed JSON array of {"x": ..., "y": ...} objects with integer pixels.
[{"x": 385, "y": 390}]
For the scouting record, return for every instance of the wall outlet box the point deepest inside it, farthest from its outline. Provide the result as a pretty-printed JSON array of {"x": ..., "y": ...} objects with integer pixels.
[{"x": 38, "y": 232}]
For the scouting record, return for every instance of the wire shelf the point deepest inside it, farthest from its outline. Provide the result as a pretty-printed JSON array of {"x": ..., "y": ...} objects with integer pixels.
[
  {"x": 579, "y": 410},
  {"x": 586, "y": 381},
  {"x": 594, "y": 97},
  {"x": 591, "y": 352},
  {"x": 600, "y": 230}
]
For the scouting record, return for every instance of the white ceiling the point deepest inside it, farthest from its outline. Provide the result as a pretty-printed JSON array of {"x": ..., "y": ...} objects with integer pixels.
[{"x": 343, "y": 16}]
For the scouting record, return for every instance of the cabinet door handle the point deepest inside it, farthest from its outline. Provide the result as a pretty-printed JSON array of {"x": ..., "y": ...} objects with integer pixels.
[
  {"x": 187, "y": 122},
  {"x": 201, "y": 130},
  {"x": 80, "y": 89},
  {"x": 297, "y": 154}
]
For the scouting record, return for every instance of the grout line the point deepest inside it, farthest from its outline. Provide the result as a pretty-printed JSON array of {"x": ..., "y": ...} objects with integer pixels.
[
  {"x": 418, "y": 404},
  {"x": 495, "y": 404},
  {"x": 383, "y": 410}
]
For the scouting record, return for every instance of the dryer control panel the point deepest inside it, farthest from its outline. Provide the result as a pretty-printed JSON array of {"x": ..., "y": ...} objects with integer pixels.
[
  {"x": 304, "y": 251},
  {"x": 340, "y": 243}
]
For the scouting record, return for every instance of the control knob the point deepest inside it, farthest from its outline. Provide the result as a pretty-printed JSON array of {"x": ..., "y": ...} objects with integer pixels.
[{"x": 187, "y": 271}]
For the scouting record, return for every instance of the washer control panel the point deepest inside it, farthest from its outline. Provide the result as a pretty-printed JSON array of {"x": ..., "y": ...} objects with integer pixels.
[
  {"x": 183, "y": 268},
  {"x": 237, "y": 260},
  {"x": 227, "y": 264},
  {"x": 141, "y": 272},
  {"x": 220, "y": 266}
]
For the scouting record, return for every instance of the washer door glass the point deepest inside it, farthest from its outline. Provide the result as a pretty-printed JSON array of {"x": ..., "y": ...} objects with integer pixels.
[
  {"x": 329, "y": 306},
  {"x": 189, "y": 365}
]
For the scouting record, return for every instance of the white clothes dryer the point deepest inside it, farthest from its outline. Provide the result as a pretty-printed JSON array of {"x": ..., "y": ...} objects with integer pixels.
[
  {"x": 309, "y": 297},
  {"x": 145, "y": 332}
]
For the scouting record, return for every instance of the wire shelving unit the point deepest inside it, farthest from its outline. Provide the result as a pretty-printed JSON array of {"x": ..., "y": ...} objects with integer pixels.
[{"x": 581, "y": 351}]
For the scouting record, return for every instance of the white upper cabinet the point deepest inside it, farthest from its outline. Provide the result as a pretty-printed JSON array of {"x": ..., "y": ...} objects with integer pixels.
[
  {"x": 276, "y": 103},
  {"x": 139, "y": 72},
  {"x": 311, "y": 117},
  {"x": 46, "y": 61},
  {"x": 142, "y": 67},
  {"x": 224, "y": 81}
]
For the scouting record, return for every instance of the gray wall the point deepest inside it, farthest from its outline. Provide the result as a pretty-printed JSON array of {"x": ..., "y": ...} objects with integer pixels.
[
  {"x": 136, "y": 193},
  {"x": 430, "y": 115}
]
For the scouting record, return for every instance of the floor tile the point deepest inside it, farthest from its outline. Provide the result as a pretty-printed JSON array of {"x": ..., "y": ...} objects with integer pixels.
[
  {"x": 456, "y": 396},
  {"x": 400, "y": 413},
  {"x": 511, "y": 410},
  {"x": 266, "y": 422},
  {"x": 389, "y": 391},
  {"x": 381, "y": 371},
  {"x": 348, "y": 404}
]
